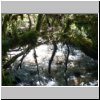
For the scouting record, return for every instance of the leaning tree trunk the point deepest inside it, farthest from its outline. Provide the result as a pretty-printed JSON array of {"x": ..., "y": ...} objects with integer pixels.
[
  {"x": 51, "y": 59},
  {"x": 66, "y": 62}
]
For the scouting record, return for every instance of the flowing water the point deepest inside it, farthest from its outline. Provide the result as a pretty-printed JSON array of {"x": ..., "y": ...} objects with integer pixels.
[{"x": 78, "y": 74}]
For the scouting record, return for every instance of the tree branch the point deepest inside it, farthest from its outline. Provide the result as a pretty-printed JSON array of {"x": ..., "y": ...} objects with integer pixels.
[{"x": 8, "y": 63}]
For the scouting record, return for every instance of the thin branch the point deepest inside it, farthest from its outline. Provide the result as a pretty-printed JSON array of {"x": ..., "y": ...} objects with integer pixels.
[{"x": 21, "y": 60}]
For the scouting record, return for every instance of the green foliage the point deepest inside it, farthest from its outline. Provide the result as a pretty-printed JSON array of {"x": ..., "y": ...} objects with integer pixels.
[
  {"x": 29, "y": 37},
  {"x": 26, "y": 38},
  {"x": 77, "y": 29},
  {"x": 9, "y": 43},
  {"x": 6, "y": 79}
]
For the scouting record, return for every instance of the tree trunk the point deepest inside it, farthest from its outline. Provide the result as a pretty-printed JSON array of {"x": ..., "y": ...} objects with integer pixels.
[
  {"x": 30, "y": 23},
  {"x": 66, "y": 62},
  {"x": 35, "y": 57},
  {"x": 51, "y": 59},
  {"x": 39, "y": 21}
]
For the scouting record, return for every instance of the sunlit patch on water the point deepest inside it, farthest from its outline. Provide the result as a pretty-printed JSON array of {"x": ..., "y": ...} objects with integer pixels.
[
  {"x": 38, "y": 83},
  {"x": 52, "y": 83}
]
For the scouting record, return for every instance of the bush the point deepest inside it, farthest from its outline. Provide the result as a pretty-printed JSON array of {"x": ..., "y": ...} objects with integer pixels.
[{"x": 6, "y": 79}]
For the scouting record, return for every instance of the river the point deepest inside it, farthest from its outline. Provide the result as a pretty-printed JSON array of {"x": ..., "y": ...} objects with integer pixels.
[{"x": 80, "y": 68}]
